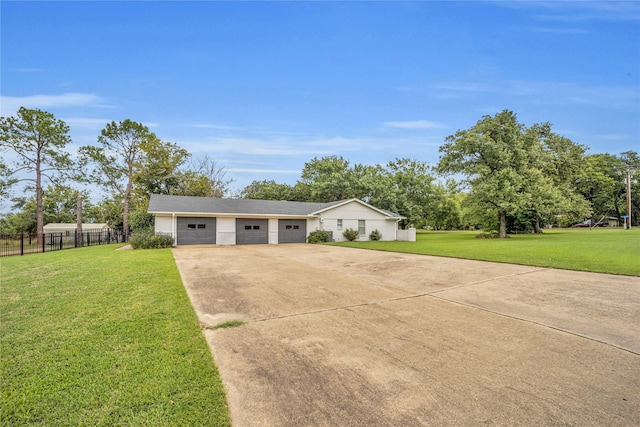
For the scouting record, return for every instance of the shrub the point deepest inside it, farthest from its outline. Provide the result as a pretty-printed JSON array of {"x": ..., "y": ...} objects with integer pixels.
[
  {"x": 350, "y": 234},
  {"x": 140, "y": 221},
  {"x": 147, "y": 240},
  {"x": 375, "y": 235},
  {"x": 318, "y": 236}
]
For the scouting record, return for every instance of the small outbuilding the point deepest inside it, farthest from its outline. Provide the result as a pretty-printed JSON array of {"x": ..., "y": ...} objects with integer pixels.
[
  {"x": 70, "y": 228},
  {"x": 206, "y": 220}
]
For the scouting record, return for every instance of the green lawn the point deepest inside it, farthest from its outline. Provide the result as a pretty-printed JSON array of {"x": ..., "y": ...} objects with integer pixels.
[
  {"x": 601, "y": 250},
  {"x": 95, "y": 336}
]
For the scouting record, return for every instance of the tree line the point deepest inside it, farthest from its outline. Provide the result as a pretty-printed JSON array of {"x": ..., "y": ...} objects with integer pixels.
[{"x": 499, "y": 175}]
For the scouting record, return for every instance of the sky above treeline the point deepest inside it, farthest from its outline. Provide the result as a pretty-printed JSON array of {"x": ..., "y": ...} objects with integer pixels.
[{"x": 263, "y": 87}]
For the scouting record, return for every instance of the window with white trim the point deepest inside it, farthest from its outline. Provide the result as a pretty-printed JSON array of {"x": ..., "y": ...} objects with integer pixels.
[
  {"x": 339, "y": 224},
  {"x": 361, "y": 228}
]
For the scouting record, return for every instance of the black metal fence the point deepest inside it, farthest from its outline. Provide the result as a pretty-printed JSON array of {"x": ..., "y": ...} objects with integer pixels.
[{"x": 25, "y": 243}]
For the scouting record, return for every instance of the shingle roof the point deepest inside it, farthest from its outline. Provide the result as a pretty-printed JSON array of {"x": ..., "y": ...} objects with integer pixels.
[
  {"x": 192, "y": 204},
  {"x": 161, "y": 203}
]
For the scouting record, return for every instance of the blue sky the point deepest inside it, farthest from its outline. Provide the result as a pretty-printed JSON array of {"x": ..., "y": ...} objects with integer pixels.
[{"x": 263, "y": 87}]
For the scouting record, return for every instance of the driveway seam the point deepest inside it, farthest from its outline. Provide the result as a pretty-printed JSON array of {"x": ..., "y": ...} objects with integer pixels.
[
  {"x": 555, "y": 328},
  {"x": 431, "y": 294},
  {"x": 524, "y": 273}
]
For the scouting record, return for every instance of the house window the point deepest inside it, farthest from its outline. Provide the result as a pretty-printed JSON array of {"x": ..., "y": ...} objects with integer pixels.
[
  {"x": 288, "y": 227},
  {"x": 339, "y": 224},
  {"x": 247, "y": 227},
  {"x": 256, "y": 227},
  {"x": 361, "y": 229},
  {"x": 202, "y": 226},
  {"x": 296, "y": 227},
  {"x": 191, "y": 226}
]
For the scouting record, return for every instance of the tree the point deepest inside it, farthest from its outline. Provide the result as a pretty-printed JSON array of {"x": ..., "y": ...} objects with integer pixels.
[
  {"x": 203, "y": 178},
  {"x": 114, "y": 161},
  {"x": 267, "y": 190},
  {"x": 38, "y": 140},
  {"x": 158, "y": 168},
  {"x": 603, "y": 183},
  {"x": 59, "y": 205},
  {"x": 414, "y": 189},
  {"x": 489, "y": 154},
  {"x": 329, "y": 179}
]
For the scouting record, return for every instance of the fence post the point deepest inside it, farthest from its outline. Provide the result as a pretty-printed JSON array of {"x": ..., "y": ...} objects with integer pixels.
[
  {"x": 60, "y": 241},
  {"x": 21, "y": 243},
  {"x": 44, "y": 237}
]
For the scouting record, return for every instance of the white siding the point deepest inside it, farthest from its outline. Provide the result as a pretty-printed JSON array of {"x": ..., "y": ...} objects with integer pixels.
[
  {"x": 163, "y": 225},
  {"x": 350, "y": 213},
  {"x": 226, "y": 231}
]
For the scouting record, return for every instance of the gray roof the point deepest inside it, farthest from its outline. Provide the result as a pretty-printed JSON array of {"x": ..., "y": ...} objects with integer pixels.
[{"x": 161, "y": 203}]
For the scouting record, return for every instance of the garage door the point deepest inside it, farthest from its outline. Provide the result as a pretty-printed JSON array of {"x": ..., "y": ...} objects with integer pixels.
[
  {"x": 252, "y": 231},
  {"x": 196, "y": 231},
  {"x": 292, "y": 231}
]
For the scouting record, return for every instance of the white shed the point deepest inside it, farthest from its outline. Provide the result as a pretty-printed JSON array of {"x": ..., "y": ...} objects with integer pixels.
[{"x": 70, "y": 228}]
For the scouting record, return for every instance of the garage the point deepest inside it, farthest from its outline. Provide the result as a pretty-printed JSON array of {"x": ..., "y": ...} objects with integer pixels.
[
  {"x": 252, "y": 231},
  {"x": 292, "y": 231},
  {"x": 196, "y": 230}
]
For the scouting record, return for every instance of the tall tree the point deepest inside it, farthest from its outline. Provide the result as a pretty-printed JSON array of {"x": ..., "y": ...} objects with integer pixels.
[
  {"x": 38, "y": 140},
  {"x": 329, "y": 179},
  {"x": 114, "y": 160},
  {"x": 158, "y": 168},
  {"x": 414, "y": 190},
  {"x": 267, "y": 190},
  {"x": 205, "y": 178},
  {"x": 490, "y": 154}
]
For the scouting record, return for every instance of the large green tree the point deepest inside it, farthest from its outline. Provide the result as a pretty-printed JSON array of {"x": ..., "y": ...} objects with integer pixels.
[
  {"x": 37, "y": 140},
  {"x": 514, "y": 171},
  {"x": 113, "y": 161},
  {"x": 329, "y": 179}
]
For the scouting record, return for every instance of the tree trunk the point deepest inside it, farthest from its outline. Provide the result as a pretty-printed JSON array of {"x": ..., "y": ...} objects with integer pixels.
[
  {"x": 79, "y": 236},
  {"x": 39, "y": 208},
  {"x": 502, "y": 233},
  {"x": 125, "y": 215},
  {"x": 536, "y": 225}
]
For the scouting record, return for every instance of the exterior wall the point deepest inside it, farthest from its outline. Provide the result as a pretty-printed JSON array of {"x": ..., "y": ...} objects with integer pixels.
[
  {"x": 350, "y": 214},
  {"x": 163, "y": 225},
  {"x": 226, "y": 229}
]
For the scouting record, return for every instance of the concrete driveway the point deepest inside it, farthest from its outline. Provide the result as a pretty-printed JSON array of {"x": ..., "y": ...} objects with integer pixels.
[{"x": 347, "y": 337}]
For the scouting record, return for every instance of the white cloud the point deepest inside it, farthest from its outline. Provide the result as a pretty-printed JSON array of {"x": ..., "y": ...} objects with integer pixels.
[
  {"x": 9, "y": 105},
  {"x": 267, "y": 171},
  {"x": 86, "y": 123},
  {"x": 414, "y": 124},
  {"x": 547, "y": 92}
]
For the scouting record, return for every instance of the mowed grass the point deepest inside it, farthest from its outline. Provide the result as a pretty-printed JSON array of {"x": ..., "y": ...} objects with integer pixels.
[
  {"x": 95, "y": 336},
  {"x": 601, "y": 250}
]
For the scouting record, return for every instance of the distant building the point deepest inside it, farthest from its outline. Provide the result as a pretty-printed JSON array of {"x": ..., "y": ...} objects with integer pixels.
[{"x": 68, "y": 229}]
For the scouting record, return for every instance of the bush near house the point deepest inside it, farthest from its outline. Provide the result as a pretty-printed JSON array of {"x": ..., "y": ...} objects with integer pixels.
[
  {"x": 350, "y": 234},
  {"x": 146, "y": 239},
  {"x": 375, "y": 235},
  {"x": 318, "y": 236}
]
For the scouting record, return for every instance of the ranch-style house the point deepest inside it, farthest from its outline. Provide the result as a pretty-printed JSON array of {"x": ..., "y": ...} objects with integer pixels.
[{"x": 206, "y": 220}]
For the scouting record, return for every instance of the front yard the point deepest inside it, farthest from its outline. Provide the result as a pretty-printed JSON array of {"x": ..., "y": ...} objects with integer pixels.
[{"x": 95, "y": 336}]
